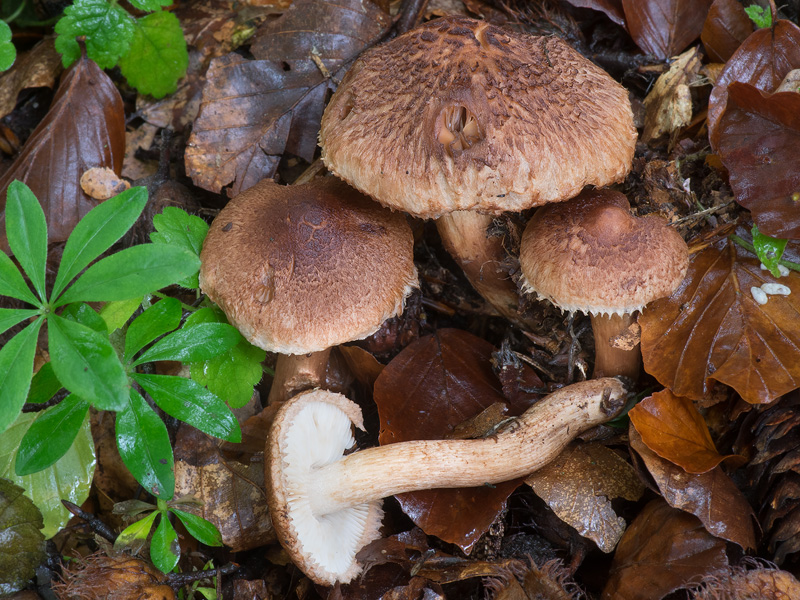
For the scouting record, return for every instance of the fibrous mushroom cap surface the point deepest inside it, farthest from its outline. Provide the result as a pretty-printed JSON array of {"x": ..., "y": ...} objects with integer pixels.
[
  {"x": 302, "y": 268},
  {"x": 461, "y": 115},
  {"x": 590, "y": 254}
]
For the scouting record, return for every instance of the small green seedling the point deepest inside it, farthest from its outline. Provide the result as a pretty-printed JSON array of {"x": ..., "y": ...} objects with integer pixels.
[
  {"x": 769, "y": 250},
  {"x": 762, "y": 17}
]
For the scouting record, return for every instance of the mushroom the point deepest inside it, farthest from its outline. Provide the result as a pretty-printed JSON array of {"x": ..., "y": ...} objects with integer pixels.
[
  {"x": 592, "y": 255},
  {"x": 460, "y": 115},
  {"x": 300, "y": 269},
  {"x": 325, "y": 506}
]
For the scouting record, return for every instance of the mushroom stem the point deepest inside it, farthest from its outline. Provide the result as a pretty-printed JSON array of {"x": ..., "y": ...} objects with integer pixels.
[
  {"x": 295, "y": 373},
  {"x": 611, "y": 361}
]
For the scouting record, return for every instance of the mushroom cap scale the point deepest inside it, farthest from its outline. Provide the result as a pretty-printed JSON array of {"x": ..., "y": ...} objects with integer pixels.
[
  {"x": 298, "y": 269},
  {"x": 461, "y": 115}
]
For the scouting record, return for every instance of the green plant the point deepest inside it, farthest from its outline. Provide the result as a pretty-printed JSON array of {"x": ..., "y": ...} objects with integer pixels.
[
  {"x": 762, "y": 17},
  {"x": 150, "y": 50},
  {"x": 8, "y": 53}
]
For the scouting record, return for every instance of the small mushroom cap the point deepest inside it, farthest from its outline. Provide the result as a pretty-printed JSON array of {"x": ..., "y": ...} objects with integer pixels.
[
  {"x": 461, "y": 115},
  {"x": 590, "y": 254},
  {"x": 310, "y": 431},
  {"x": 298, "y": 269}
]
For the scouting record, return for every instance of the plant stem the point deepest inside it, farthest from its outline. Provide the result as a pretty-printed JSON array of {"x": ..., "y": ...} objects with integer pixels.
[{"x": 748, "y": 246}]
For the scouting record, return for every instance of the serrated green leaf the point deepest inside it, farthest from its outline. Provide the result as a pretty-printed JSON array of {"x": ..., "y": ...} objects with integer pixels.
[
  {"x": 12, "y": 316},
  {"x": 12, "y": 283},
  {"x": 8, "y": 53},
  {"x": 164, "y": 547},
  {"x": 26, "y": 231},
  {"x": 117, "y": 313},
  {"x": 16, "y": 368},
  {"x": 176, "y": 227},
  {"x": 161, "y": 317},
  {"x": 769, "y": 250},
  {"x": 50, "y": 435},
  {"x": 85, "y": 363},
  {"x": 107, "y": 27},
  {"x": 762, "y": 17},
  {"x": 190, "y": 344},
  {"x": 80, "y": 312},
  {"x": 96, "y": 232},
  {"x": 131, "y": 273},
  {"x": 22, "y": 547},
  {"x": 200, "y": 529},
  {"x": 158, "y": 57},
  {"x": 143, "y": 444},
  {"x": 44, "y": 385},
  {"x": 190, "y": 402},
  {"x": 150, "y": 5},
  {"x": 134, "y": 536},
  {"x": 70, "y": 478}
]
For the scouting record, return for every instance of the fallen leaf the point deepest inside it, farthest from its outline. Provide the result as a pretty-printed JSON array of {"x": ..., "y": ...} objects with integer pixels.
[
  {"x": 611, "y": 8},
  {"x": 712, "y": 497},
  {"x": 725, "y": 28},
  {"x": 662, "y": 550},
  {"x": 758, "y": 137},
  {"x": 713, "y": 328},
  {"x": 22, "y": 547},
  {"x": 364, "y": 367},
  {"x": 665, "y": 27},
  {"x": 579, "y": 486},
  {"x": 38, "y": 67}
]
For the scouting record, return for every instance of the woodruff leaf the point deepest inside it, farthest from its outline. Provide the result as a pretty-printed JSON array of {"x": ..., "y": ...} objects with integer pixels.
[
  {"x": 26, "y": 231},
  {"x": 12, "y": 283},
  {"x": 82, "y": 313},
  {"x": 164, "y": 547},
  {"x": 769, "y": 250},
  {"x": 11, "y": 316},
  {"x": 44, "y": 384},
  {"x": 161, "y": 317},
  {"x": 117, "y": 313},
  {"x": 176, "y": 227},
  {"x": 200, "y": 529},
  {"x": 134, "y": 536},
  {"x": 107, "y": 27},
  {"x": 16, "y": 368},
  {"x": 190, "y": 344}
]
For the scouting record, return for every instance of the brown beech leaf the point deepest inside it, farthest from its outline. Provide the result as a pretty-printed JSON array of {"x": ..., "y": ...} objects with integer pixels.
[
  {"x": 38, "y": 67},
  {"x": 84, "y": 128},
  {"x": 662, "y": 550},
  {"x": 364, "y": 366},
  {"x": 712, "y": 328},
  {"x": 433, "y": 385},
  {"x": 254, "y": 111},
  {"x": 725, "y": 28},
  {"x": 612, "y": 8},
  {"x": 712, "y": 497},
  {"x": 762, "y": 60},
  {"x": 759, "y": 135},
  {"x": 579, "y": 486},
  {"x": 665, "y": 27}
]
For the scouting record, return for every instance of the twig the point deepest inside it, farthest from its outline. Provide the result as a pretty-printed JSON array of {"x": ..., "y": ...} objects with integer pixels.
[
  {"x": 177, "y": 580},
  {"x": 30, "y": 407},
  {"x": 96, "y": 524}
]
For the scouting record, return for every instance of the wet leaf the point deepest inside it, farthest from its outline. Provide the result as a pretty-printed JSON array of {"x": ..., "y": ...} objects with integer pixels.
[
  {"x": 663, "y": 541},
  {"x": 758, "y": 137},
  {"x": 432, "y": 386},
  {"x": 665, "y": 27},
  {"x": 712, "y": 497},
  {"x": 669, "y": 104},
  {"x": 726, "y": 27},
  {"x": 165, "y": 551},
  {"x": 713, "y": 328},
  {"x": 612, "y": 8},
  {"x": 36, "y": 68},
  {"x": 85, "y": 127},
  {"x": 579, "y": 486},
  {"x": 107, "y": 29},
  {"x": 22, "y": 543}
]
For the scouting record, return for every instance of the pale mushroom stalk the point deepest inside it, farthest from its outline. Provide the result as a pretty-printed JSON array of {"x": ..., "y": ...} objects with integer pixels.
[
  {"x": 610, "y": 360},
  {"x": 295, "y": 373}
]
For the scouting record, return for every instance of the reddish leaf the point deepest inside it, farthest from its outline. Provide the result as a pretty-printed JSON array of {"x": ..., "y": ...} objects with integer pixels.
[
  {"x": 84, "y": 128},
  {"x": 432, "y": 386},
  {"x": 712, "y": 328},
  {"x": 662, "y": 550},
  {"x": 711, "y": 497},
  {"x": 763, "y": 60},
  {"x": 665, "y": 27},
  {"x": 759, "y": 135},
  {"x": 612, "y": 8},
  {"x": 726, "y": 27}
]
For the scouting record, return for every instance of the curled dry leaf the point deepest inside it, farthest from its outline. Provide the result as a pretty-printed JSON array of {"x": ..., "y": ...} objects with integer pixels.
[
  {"x": 612, "y": 8},
  {"x": 666, "y": 542},
  {"x": 712, "y": 497},
  {"x": 38, "y": 67},
  {"x": 579, "y": 486},
  {"x": 758, "y": 138},
  {"x": 84, "y": 128},
  {"x": 665, "y": 27},
  {"x": 713, "y": 328},
  {"x": 725, "y": 28}
]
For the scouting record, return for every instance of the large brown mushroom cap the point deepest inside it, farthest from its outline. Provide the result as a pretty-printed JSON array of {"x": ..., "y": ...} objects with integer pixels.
[
  {"x": 459, "y": 115},
  {"x": 298, "y": 269},
  {"x": 591, "y": 254}
]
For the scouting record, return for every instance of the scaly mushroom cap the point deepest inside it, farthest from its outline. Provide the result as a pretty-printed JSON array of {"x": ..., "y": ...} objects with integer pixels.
[
  {"x": 462, "y": 115},
  {"x": 590, "y": 254},
  {"x": 298, "y": 269},
  {"x": 311, "y": 431}
]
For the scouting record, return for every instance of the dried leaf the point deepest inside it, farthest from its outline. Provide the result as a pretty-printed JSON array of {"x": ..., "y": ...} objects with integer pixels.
[
  {"x": 579, "y": 486},
  {"x": 101, "y": 183},
  {"x": 713, "y": 328},
  {"x": 84, "y": 128},
  {"x": 432, "y": 386},
  {"x": 711, "y": 497},
  {"x": 362, "y": 364},
  {"x": 725, "y": 28},
  {"x": 36, "y": 68},
  {"x": 665, "y": 27},
  {"x": 759, "y": 134},
  {"x": 612, "y": 8},
  {"x": 666, "y": 542},
  {"x": 668, "y": 106}
]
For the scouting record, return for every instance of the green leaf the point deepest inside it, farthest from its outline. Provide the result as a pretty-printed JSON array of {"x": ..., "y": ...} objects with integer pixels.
[
  {"x": 26, "y": 231},
  {"x": 96, "y": 232},
  {"x": 176, "y": 227},
  {"x": 769, "y": 250},
  {"x": 22, "y": 547},
  {"x": 761, "y": 16},
  {"x": 164, "y": 547},
  {"x": 16, "y": 368},
  {"x": 117, "y": 313},
  {"x": 44, "y": 385},
  {"x": 191, "y": 344},
  {"x": 8, "y": 53},
  {"x": 85, "y": 363},
  {"x": 144, "y": 446},
  {"x": 158, "y": 57},
  {"x": 190, "y": 402},
  {"x": 82, "y": 313},
  {"x": 131, "y": 273},
  {"x": 11, "y": 316},
  {"x": 51, "y": 435},
  {"x": 70, "y": 478},
  {"x": 161, "y": 317},
  {"x": 200, "y": 529},
  {"x": 134, "y": 536},
  {"x": 12, "y": 283},
  {"x": 107, "y": 26},
  {"x": 150, "y": 5}
]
